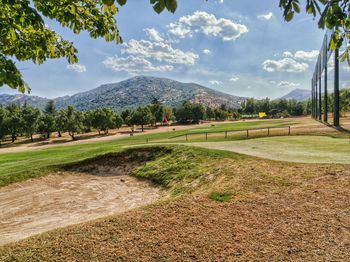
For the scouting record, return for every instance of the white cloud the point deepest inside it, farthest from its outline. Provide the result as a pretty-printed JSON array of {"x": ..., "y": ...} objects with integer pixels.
[
  {"x": 287, "y": 54},
  {"x": 133, "y": 65},
  {"x": 306, "y": 56},
  {"x": 206, "y": 51},
  {"x": 267, "y": 16},
  {"x": 234, "y": 79},
  {"x": 220, "y": 1},
  {"x": 215, "y": 82},
  {"x": 284, "y": 84},
  {"x": 285, "y": 65},
  {"x": 153, "y": 35},
  {"x": 77, "y": 68},
  {"x": 162, "y": 52},
  {"x": 207, "y": 24},
  {"x": 302, "y": 55}
]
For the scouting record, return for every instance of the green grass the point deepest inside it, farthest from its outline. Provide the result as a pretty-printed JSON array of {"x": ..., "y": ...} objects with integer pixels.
[
  {"x": 15, "y": 167},
  {"x": 303, "y": 149},
  {"x": 220, "y": 197},
  {"x": 218, "y": 127},
  {"x": 240, "y": 126},
  {"x": 176, "y": 167}
]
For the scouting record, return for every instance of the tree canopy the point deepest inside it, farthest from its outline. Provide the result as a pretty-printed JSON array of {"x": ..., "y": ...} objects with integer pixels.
[
  {"x": 333, "y": 14},
  {"x": 25, "y": 36}
]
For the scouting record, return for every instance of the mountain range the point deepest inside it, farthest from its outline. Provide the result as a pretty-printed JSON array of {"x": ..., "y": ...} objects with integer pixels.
[
  {"x": 298, "y": 94},
  {"x": 136, "y": 91}
]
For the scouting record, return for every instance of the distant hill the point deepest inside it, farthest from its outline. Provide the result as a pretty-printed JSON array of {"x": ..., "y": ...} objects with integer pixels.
[
  {"x": 20, "y": 99},
  {"x": 137, "y": 91},
  {"x": 298, "y": 94}
]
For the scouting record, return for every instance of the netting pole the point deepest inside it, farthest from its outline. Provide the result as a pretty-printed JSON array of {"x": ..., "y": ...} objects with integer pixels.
[
  {"x": 319, "y": 88},
  {"x": 312, "y": 98},
  {"x": 336, "y": 89},
  {"x": 325, "y": 56},
  {"x": 316, "y": 97}
]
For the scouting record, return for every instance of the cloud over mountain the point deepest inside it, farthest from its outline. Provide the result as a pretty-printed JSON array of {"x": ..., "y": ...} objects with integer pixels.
[
  {"x": 284, "y": 65},
  {"x": 207, "y": 24}
]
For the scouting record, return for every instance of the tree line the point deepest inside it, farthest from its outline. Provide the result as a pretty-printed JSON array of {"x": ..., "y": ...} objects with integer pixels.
[
  {"x": 16, "y": 120},
  {"x": 28, "y": 121},
  {"x": 276, "y": 108},
  {"x": 344, "y": 101}
]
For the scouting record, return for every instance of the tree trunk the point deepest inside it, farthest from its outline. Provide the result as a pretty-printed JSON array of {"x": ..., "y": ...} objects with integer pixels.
[
  {"x": 59, "y": 134},
  {"x": 72, "y": 135},
  {"x": 48, "y": 135},
  {"x": 13, "y": 137},
  {"x": 142, "y": 128},
  {"x": 31, "y": 138},
  {"x": 99, "y": 132}
]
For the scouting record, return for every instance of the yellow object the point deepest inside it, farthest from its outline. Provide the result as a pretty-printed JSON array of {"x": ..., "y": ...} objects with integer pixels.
[{"x": 262, "y": 115}]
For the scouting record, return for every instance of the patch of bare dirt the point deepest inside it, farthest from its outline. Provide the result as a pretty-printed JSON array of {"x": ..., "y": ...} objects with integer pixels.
[
  {"x": 58, "y": 200},
  {"x": 291, "y": 212}
]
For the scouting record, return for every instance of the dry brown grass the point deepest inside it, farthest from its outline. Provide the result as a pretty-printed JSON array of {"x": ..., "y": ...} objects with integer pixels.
[{"x": 279, "y": 211}]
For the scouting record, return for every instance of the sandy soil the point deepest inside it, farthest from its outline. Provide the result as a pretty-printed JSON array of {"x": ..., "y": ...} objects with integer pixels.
[
  {"x": 305, "y": 220},
  {"x": 58, "y": 200}
]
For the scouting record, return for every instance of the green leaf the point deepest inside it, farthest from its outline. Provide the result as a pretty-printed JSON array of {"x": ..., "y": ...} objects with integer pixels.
[
  {"x": 108, "y": 2},
  {"x": 171, "y": 5},
  {"x": 289, "y": 16},
  {"x": 159, "y": 6},
  {"x": 121, "y": 2}
]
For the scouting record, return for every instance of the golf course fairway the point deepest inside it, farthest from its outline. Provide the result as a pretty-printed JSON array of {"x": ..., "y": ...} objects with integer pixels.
[{"x": 301, "y": 149}]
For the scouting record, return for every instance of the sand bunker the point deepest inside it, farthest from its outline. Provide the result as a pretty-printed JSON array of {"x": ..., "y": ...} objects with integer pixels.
[{"x": 58, "y": 200}]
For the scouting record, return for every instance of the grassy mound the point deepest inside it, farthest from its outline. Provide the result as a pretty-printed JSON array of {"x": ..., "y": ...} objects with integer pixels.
[{"x": 178, "y": 168}]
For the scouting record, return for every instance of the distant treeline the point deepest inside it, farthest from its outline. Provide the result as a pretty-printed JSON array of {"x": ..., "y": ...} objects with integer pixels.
[
  {"x": 27, "y": 121},
  {"x": 276, "y": 108},
  {"x": 284, "y": 108},
  {"x": 344, "y": 97}
]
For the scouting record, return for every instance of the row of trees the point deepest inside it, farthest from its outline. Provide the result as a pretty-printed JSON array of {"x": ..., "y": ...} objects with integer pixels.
[
  {"x": 283, "y": 107},
  {"x": 26, "y": 120},
  {"x": 344, "y": 101},
  {"x": 276, "y": 108}
]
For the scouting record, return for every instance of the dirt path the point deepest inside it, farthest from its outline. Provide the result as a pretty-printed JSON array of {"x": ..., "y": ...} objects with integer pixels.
[{"x": 39, "y": 205}]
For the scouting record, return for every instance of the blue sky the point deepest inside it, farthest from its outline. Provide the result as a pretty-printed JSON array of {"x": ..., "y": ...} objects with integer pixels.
[{"x": 240, "y": 47}]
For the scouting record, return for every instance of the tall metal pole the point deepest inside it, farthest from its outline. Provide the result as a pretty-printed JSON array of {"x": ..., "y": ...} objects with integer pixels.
[
  {"x": 336, "y": 89},
  {"x": 312, "y": 98},
  {"x": 325, "y": 53},
  {"x": 320, "y": 88},
  {"x": 316, "y": 97}
]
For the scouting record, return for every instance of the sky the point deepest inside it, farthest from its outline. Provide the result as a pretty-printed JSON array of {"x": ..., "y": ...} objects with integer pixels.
[{"x": 240, "y": 47}]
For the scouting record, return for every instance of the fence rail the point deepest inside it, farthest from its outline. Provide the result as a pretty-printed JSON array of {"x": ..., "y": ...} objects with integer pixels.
[{"x": 248, "y": 133}]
